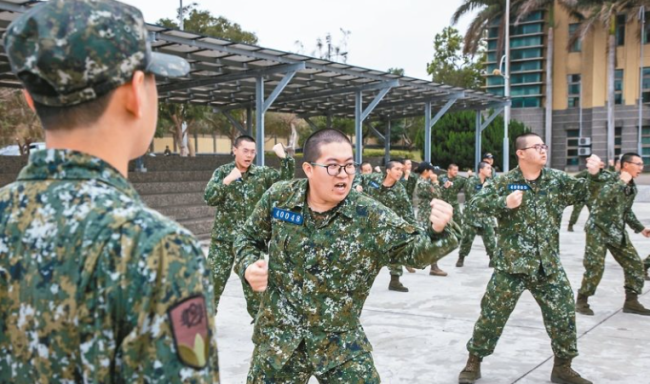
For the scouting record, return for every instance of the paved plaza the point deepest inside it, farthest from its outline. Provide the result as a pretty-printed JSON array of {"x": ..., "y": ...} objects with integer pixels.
[{"x": 420, "y": 336}]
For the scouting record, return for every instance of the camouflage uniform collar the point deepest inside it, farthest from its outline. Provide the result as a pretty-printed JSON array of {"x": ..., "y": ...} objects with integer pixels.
[
  {"x": 252, "y": 169},
  {"x": 519, "y": 176},
  {"x": 59, "y": 164},
  {"x": 299, "y": 199}
]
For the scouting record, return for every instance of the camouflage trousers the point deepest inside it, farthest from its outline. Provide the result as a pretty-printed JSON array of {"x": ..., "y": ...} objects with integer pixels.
[
  {"x": 575, "y": 214},
  {"x": 470, "y": 232},
  {"x": 221, "y": 260},
  {"x": 594, "y": 262},
  {"x": 554, "y": 296},
  {"x": 458, "y": 214},
  {"x": 298, "y": 370},
  {"x": 396, "y": 270}
]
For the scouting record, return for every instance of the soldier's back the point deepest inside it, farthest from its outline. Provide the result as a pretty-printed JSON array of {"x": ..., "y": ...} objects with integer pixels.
[{"x": 85, "y": 271}]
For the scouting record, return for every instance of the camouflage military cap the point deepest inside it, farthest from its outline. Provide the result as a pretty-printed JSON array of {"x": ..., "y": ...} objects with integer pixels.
[{"x": 67, "y": 52}]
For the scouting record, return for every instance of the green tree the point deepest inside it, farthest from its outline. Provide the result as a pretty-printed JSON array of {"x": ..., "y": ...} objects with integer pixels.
[
  {"x": 449, "y": 66},
  {"x": 200, "y": 119},
  {"x": 452, "y": 140}
]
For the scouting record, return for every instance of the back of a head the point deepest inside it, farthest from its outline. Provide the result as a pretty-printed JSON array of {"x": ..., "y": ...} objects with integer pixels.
[
  {"x": 424, "y": 166},
  {"x": 71, "y": 54},
  {"x": 312, "y": 147}
]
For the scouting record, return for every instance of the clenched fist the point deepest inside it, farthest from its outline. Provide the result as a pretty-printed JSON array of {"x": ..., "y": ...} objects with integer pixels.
[
  {"x": 626, "y": 177},
  {"x": 232, "y": 176},
  {"x": 514, "y": 199},
  {"x": 441, "y": 214},
  {"x": 280, "y": 151},
  {"x": 448, "y": 184},
  {"x": 257, "y": 275},
  {"x": 594, "y": 164}
]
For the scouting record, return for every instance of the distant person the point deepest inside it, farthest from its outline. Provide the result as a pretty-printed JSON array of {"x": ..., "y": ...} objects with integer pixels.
[
  {"x": 168, "y": 151},
  {"x": 94, "y": 286},
  {"x": 234, "y": 190},
  {"x": 452, "y": 184},
  {"x": 366, "y": 168}
]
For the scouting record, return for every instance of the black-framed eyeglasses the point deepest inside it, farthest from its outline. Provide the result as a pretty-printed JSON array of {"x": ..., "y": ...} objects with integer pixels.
[
  {"x": 538, "y": 147},
  {"x": 639, "y": 164},
  {"x": 335, "y": 169}
]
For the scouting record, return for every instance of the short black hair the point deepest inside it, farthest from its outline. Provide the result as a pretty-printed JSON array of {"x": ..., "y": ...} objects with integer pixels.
[
  {"x": 311, "y": 148},
  {"x": 520, "y": 140},
  {"x": 393, "y": 163},
  {"x": 627, "y": 157},
  {"x": 241, "y": 138},
  {"x": 452, "y": 165},
  {"x": 366, "y": 163},
  {"x": 69, "y": 117},
  {"x": 424, "y": 166},
  {"x": 482, "y": 165}
]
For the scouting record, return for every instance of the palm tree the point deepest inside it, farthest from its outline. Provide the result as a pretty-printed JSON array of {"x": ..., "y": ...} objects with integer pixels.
[{"x": 602, "y": 13}]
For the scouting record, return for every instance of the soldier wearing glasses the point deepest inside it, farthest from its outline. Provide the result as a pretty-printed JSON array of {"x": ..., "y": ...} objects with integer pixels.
[
  {"x": 326, "y": 244},
  {"x": 610, "y": 212},
  {"x": 234, "y": 189},
  {"x": 528, "y": 203},
  {"x": 389, "y": 191}
]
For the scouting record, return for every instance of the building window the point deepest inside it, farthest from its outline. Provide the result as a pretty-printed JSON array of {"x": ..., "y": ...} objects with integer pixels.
[
  {"x": 526, "y": 78},
  {"x": 618, "y": 86},
  {"x": 646, "y": 35},
  {"x": 645, "y": 144},
  {"x": 574, "y": 91},
  {"x": 646, "y": 85},
  {"x": 526, "y": 102},
  {"x": 525, "y": 66},
  {"x": 620, "y": 30},
  {"x": 577, "y": 46},
  {"x": 572, "y": 136},
  {"x": 529, "y": 53},
  {"x": 525, "y": 42},
  {"x": 618, "y": 140}
]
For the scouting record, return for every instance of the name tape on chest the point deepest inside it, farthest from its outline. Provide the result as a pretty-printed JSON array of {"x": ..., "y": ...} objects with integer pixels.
[
  {"x": 518, "y": 187},
  {"x": 478, "y": 187},
  {"x": 374, "y": 185},
  {"x": 288, "y": 216}
]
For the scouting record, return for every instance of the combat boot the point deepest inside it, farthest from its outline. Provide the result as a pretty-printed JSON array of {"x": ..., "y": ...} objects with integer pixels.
[
  {"x": 395, "y": 284},
  {"x": 435, "y": 271},
  {"x": 570, "y": 228},
  {"x": 472, "y": 370},
  {"x": 582, "y": 305},
  {"x": 632, "y": 305},
  {"x": 461, "y": 261},
  {"x": 563, "y": 373}
]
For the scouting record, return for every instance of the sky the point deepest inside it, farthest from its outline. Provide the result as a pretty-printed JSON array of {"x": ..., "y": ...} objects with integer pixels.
[{"x": 383, "y": 33}]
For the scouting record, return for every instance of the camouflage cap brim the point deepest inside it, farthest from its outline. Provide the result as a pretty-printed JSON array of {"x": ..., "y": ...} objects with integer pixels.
[{"x": 165, "y": 65}]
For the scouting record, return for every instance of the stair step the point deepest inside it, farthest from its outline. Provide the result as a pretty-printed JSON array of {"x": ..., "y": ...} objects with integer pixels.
[
  {"x": 156, "y": 201},
  {"x": 185, "y": 212},
  {"x": 152, "y": 188}
]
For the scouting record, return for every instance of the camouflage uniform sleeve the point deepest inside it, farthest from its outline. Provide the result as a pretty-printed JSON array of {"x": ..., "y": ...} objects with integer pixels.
[
  {"x": 215, "y": 190},
  {"x": 612, "y": 193},
  {"x": 287, "y": 171},
  {"x": 252, "y": 240},
  {"x": 487, "y": 202},
  {"x": 405, "y": 207},
  {"x": 633, "y": 221},
  {"x": 419, "y": 247},
  {"x": 170, "y": 278}
]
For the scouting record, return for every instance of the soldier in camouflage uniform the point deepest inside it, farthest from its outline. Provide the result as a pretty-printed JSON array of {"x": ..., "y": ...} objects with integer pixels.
[
  {"x": 94, "y": 286},
  {"x": 488, "y": 158},
  {"x": 528, "y": 203},
  {"x": 234, "y": 189},
  {"x": 575, "y": 214},
  {"x": 427, "y": 189},
  {"x": 390, "y": 192},
  {"x": 326, "y": 245},
  {"x": 610, "y": 212},
  {"x": 646, "y": 266},
  {"x": 407, "y": 181},
  {"x": 452, "y": 184},
  {"x": 481, "y": 225}
]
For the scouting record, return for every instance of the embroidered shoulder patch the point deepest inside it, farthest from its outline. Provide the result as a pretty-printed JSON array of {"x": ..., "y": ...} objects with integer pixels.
[
  {"x": 288, "y": 216},
  {"x": 189, "y": 319},
  {"x": 518, "y": 187}
]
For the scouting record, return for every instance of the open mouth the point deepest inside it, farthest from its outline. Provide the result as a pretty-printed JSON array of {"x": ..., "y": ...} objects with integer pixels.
[{"x": 340, "y": 187}]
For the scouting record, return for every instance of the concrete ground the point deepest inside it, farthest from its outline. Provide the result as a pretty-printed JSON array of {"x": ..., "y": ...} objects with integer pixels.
[{"x": 420, "y": 336}]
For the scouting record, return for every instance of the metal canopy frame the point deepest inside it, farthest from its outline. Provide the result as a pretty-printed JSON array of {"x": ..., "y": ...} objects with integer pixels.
[{"x": 235, "y": 76}]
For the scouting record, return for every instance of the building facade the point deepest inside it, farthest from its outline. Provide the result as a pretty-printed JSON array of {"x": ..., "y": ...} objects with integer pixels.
[{"x": 579, "y": 85}]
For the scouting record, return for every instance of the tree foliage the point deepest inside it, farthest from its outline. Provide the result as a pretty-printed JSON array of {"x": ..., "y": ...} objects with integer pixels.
[
  {"x": 18, "y": 124},
  {"x": 452, "y": 140},
  {"x": 450, "y": 66}
]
